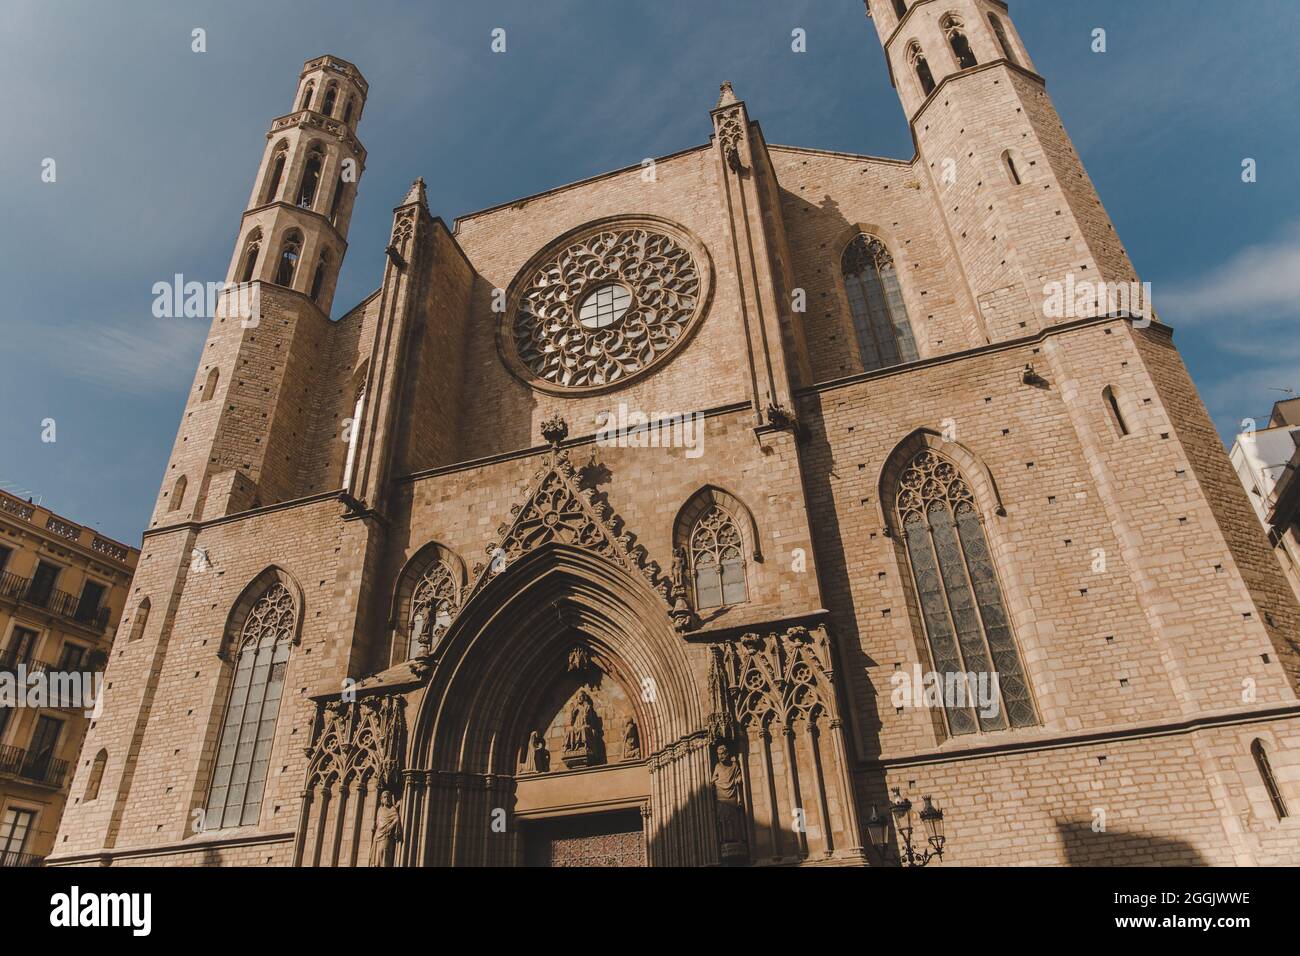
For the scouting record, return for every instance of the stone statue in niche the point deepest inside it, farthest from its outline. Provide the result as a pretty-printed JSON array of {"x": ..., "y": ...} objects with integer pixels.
[
  {"x": 728, "y": 793},
  {"x": 420, "y": 644},
  {"x": 388, "y": 830},
  {"x": 683, "y": 614},
  {"x": 579, "y": 658},
  {"x": 631, "y": 740},
  {"x": 583, "y": 738},
  {"x": 679, "y": 573},
  {"x": 536, "y": 759}
]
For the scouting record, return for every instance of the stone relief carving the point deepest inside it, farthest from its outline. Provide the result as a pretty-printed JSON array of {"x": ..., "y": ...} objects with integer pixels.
[
  {"x": 631, "y": 740},
  {"x": 362, "y": 740},
  {"x": 730, "y": 134},
  {"x": 779, "y": 677},
  {"x": 654, "y": 287},
  {"x": 536, "y": 758},
  {"x": 558, "y": 510},
  {"x": 582, "y": 742}
]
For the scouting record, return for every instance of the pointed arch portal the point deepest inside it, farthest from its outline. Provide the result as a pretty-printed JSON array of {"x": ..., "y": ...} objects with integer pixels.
[{"x": 510, "y": 675}]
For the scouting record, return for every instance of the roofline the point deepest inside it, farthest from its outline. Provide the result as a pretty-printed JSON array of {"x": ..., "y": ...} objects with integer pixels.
[
  {"x": 573, "y": 185},
  {"x": 71, "y": 521},
  {"x": 843, "y": 155}
]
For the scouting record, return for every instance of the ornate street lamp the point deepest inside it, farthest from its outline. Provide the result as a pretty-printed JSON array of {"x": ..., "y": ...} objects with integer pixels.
[{"x": 901, "y": 810}]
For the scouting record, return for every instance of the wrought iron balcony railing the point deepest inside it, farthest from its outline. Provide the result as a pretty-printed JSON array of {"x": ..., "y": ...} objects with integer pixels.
[
  {"x": 37, "y": 768},
  {"x": 56, "y": 602},
  {"x": 10, "y": 660}
]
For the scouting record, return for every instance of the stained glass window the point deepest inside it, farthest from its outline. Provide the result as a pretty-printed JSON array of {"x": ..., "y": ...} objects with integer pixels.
[
  {"x": 718, "y": 561},
  {"x": 244, "y": 753},
  {"x": 961, "y": 601},
  {"x": 876, "y": 301}
]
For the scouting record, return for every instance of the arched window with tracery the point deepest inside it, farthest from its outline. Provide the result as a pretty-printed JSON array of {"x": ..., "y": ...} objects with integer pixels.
[
  {"x": 876, "y": 301},
  {"x": 289, "y": 254},
  {"x": 331, "y": 93},
  {"x": 1000, "y": 34},
  {"x": 248, "y": 732},
  {"x": 717, "y": 555},
  {"x": 965, "y": 617},
  {"x": 916, "y": 58},
  {"x": 306, "y": 98},
  {"x": 1266, "y": 776},
  {"x": 955, "y": 30},
  {"x": 433, "y": 603},
  {"x": 339, "y": 188}
]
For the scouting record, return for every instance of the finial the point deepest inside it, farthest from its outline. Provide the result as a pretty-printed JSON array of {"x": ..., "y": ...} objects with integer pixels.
[
  {"x": 727, "y": 95},
  {"x": 555, "y": 430},
  {"x": 416, "y": 194}
]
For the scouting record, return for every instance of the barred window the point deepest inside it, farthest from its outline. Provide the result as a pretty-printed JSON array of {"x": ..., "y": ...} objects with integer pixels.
[
  {"x": 717, "y": 561},
  {"x": 432, "y": 605},
  {"x": 961, "y": 601},
  {"x": 244, "y": 753},
  {"x": 876, "y": 301}
]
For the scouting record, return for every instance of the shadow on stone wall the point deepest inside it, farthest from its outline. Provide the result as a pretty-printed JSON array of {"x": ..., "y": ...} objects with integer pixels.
[{"x": 1082, "y": 847}]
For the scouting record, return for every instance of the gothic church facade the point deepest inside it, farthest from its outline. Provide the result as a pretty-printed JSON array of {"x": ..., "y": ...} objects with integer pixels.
[{"x": 403, "y": 601}]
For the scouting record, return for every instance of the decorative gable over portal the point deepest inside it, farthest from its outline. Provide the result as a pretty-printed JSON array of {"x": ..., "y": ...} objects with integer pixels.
[{"x": 558, "y": 510}]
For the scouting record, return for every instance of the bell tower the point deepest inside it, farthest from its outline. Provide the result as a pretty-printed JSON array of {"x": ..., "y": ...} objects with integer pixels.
[
  {"x": 249, "y": 410},
  {"x": 294, "y": 231},
  {"x": 1012, "y": 193}
]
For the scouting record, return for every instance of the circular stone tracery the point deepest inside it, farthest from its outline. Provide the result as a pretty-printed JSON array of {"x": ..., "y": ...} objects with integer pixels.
[{"x": 607, "y": 304}]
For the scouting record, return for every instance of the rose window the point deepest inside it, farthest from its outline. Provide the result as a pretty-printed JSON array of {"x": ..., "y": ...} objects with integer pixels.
[{"x": 596, "y": 310}]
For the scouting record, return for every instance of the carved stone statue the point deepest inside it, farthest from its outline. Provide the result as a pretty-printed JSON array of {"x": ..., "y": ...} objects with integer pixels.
[
  {"x": 388, "y": 830},
  {"x": 728, "y": 792},
  {"x": 537, "y": 759},
  {"x": 579, "y": 658},
  {"x": 420, "y": 642},
  {"x": 679, "y": 567},
  {"x": 582, "y": 739},
  {"x": 683, "y": 614},
  {"x": 631, "y": 740}
]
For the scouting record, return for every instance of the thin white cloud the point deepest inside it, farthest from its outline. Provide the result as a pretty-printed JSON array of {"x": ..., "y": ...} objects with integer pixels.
[
  {"x": 145, "y": 357},
  {"x": 1260, "y": 283}
]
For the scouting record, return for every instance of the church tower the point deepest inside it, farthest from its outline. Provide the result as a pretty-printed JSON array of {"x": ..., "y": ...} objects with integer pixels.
[
  {"x": 250, "y": 409},
  {"x": 1018, "y": 207}
]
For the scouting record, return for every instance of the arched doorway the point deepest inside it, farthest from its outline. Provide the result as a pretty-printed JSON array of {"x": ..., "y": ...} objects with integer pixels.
[{"x": 564, "y": 722}]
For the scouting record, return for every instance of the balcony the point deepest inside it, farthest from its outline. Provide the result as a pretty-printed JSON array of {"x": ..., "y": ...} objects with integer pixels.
[
  {"x": 36, "y": 768},
  {"x": 9, "y": 662},
  {"x": 20, "y": 859},
  {"x": 57, "y": 602}
]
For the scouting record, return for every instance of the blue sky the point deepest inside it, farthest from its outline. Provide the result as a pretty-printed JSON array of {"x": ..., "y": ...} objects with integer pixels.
[{"x": 156, "y": 147}]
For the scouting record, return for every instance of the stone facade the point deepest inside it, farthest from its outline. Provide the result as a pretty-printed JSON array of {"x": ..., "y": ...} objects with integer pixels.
[
  {"x": 63, "y": 588},
  {"x": 500, "y": 633}
]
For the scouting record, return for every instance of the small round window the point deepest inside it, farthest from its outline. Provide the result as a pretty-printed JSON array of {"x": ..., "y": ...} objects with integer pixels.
[{"x": 604, "y": 306}]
